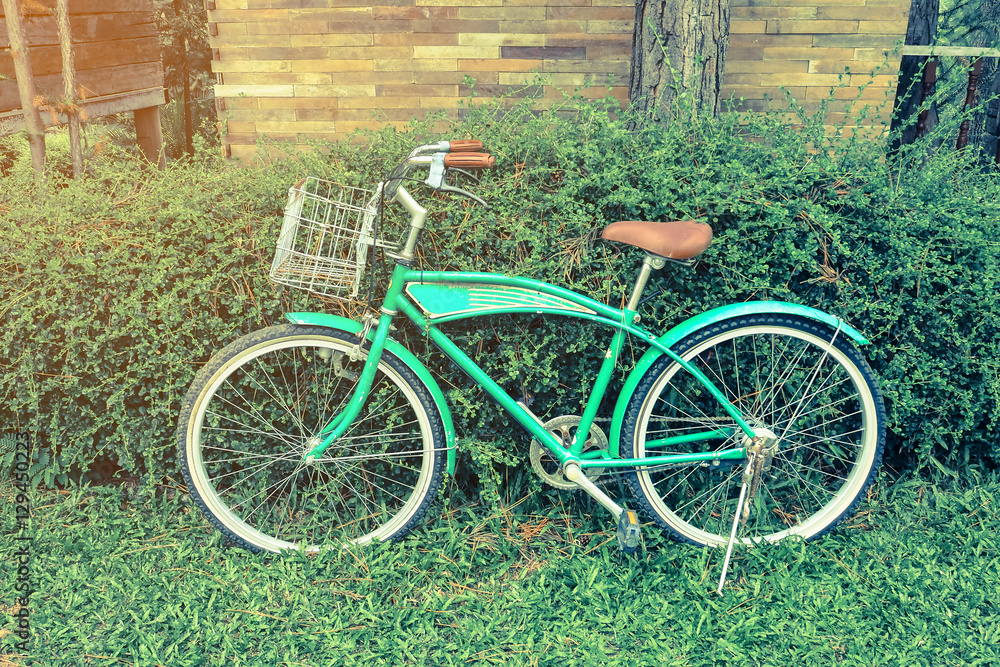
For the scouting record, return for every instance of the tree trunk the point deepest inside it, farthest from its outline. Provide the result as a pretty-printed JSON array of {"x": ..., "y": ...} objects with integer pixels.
[
  {"x": 921, "y": 30},
  {"x": 986, "y": 124},
  {"x": 182, "y": 42},
  {"x": 69, "y": 102},
  {"x": 678, "y": 47},
  {"x": 25, "y": 85}
]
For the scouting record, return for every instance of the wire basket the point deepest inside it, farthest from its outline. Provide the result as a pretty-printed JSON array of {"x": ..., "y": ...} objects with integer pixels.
[{"x": 326, "y": 238}]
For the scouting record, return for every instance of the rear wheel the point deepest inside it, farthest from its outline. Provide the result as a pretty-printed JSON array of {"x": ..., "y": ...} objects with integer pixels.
[
  {"x": 252, "y": 413},
  {"x": 785, "y": 376}
]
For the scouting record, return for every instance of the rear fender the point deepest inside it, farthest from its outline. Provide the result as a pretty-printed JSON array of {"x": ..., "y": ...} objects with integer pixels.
[{"x": 708, "y": 318}]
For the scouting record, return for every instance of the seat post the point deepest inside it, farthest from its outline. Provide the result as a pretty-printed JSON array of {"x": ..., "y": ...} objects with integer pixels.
[{"x": 649, "y": 263}]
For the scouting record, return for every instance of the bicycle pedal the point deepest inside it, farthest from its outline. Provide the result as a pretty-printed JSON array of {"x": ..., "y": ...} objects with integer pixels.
[{"x": 629, "y": 533}]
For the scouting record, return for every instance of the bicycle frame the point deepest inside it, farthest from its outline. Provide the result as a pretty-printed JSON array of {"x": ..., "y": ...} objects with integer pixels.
[
  {"x": 430, "y": 298},
  {"x": 450, "y": 293}
]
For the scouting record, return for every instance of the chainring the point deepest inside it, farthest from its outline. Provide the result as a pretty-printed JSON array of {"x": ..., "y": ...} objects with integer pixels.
[{"x": 564, "y": 429}]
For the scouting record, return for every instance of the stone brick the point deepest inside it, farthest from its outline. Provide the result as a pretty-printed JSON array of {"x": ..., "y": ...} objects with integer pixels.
[
  {"x": 500, "y": 39},
  {"x": 798, "y": 3},
  {"x": 327, "y": 65},
  {"x": 898, "y": 12},
  {"x": 245, "y": 115},
  {"x": 397, "y": 90},
  {"x": 284, "y": 28},
  {"x": 605, "y": 51},
  {"x": 335, "y": 90},
  {"x": 299, "y": 103},
  {"x": 549, "y": 27},
  {"x": 587, "y": 40},
  {"x": 506, "y": 13},
  {"x": 417, "y": 64},
  {"x": 416, "y": 39},
  {"x": 247, "y": 16},
  {"x": 758, "y": 13},
  {"x": 855, "y": 41},
  {"x": 317, "y": 114},
  {"x": 800, "y": 79},
  {"x": 460, "y": 3},
  {"x": 505, "y": 65},
  {"x": 411, "y": 13},
  {"x": 369, "y": 26},
  {"x": 611, "y": 27},
  {"x": 593, "y": 13},
  {"x": 441, "y": 52},
  {"x": 325, "y": 14},
  {"x": 232, "y": 65},
  {"x": 547, "y": 52},
  {"x": 806, "y": 53},
  {"x": 274, "y": 78},
  {"x": 341, "y": 39},
  {"x": 255, "y": 90},
  {"x": 241, "y": 127},
  {"x": 456, "y": 26},
  {"x": 897, "y": 27},
  {"x": 811, "y": 27},
  {"x": 769, "y": 66},
  {"x": 370, "y": 53},
  {"x": 745, "y": 27},
  {"x": 618, "y": 68}
]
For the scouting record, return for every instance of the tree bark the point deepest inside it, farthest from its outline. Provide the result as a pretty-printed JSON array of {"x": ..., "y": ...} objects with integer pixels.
[
  {"x": 679, "y": 48},
  {"x": 180, "y": 10},
  {"x": 986, "y": 124},
  {"x": 921, "y": 30},
  {"x": 25, "y": 85},
  {"x": 69, "y": 102}
]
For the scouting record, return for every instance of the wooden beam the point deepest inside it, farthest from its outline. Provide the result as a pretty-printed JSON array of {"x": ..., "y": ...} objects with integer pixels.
[
  {"x": 149, "y": 135},
  {"x": 966, "y": 51},
  {"x": 13, "y": 121}
]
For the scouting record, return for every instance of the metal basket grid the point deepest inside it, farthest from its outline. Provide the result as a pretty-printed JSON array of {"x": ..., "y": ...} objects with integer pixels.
[{"x": 326, "y": 238}]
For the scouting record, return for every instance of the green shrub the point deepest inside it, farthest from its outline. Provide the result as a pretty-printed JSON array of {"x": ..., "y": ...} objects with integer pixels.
[{"x": 113, "y": 290}]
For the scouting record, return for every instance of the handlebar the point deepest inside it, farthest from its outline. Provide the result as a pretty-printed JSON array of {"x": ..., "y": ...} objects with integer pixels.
[
  {"x": 469, "y": 161},
  {"x": 439, "y": 158},
  {"x": 459, "y": 155}
]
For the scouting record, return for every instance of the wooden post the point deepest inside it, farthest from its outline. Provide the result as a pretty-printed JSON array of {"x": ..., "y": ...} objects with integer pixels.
[
  {"x": 25, "y": 85},
  {"x": 930, "y": 78},
  {"x": 970, "y": 99},
  {"x": 69, "y": 104},
  {"x": 149, "y": 135}
]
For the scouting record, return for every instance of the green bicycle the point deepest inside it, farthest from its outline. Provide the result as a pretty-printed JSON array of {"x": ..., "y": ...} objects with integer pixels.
[{"x": 755, "y": 421}]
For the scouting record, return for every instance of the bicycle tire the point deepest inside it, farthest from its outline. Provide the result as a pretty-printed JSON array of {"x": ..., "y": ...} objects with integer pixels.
[
  {"x": 247, "y": 421},
  {"x": 782, "y": 373}
]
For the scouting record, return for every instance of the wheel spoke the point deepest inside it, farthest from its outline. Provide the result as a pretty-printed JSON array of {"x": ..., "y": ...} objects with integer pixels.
[
  {"x": 250, "y": 422},
  {"x": 796, "y": 380}
]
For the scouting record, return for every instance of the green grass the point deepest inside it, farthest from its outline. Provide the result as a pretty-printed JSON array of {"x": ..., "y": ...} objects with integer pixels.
[{"x": 138, "y": 578}]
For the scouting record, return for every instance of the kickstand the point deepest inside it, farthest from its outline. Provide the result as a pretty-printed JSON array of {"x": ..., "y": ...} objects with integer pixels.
[{"x": 732, "y": 535}]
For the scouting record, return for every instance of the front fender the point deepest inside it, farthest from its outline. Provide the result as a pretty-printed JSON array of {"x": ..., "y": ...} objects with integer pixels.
[
  {"x": 708, "y": 318},
  {"x": 407, "y": 357}
]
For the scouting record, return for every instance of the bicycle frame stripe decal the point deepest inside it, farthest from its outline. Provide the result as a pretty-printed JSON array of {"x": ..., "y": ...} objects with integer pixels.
[
  {"x": 523, "y": 295},
  {"x": 441, "y": 300}
]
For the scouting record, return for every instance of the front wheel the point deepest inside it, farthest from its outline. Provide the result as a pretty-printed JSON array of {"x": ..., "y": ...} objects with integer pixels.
[
  {"x": 796, "y": 379},
  {"x": 253, "y": 412}
]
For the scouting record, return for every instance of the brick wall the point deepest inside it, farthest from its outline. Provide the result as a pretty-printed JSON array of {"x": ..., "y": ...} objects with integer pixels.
[
  {"x": 809, "y": 48},
  {"x": 321, "y": 68}
]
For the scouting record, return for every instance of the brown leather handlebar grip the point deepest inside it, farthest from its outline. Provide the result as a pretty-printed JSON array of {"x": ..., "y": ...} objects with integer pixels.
[
  {"x": 469, "y": 160},
  {"x": 465, "y": 146}
]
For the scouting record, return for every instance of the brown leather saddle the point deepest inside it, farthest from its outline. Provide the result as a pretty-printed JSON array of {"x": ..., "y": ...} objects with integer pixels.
[{"x": 679, "y": 240}]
